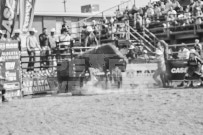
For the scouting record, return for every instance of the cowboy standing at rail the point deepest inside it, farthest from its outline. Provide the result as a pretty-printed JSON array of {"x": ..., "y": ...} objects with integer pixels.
[
  {"x": 64, "y": 41},
  {"x": 1, "y": 36},
  {"x": 17, "y": 37},
  {"x": 32, "y": 46},
  {"x": 45, "y": 45}
]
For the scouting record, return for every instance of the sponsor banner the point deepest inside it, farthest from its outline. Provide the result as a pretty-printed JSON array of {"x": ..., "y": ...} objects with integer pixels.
[
  {"x": 10, "y": 66},
  {"x": 176, "y": 69},
  {"x": 8, "y": 10},
  {"x": 11, "y": 94},
  {"x": 26, "y": 14},
  {"x": 139, "y": 76},
  {"x": 39, "y": 85}
]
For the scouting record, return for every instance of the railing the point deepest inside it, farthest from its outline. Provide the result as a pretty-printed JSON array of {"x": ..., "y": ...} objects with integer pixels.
[{"x": 176, "y": 29}]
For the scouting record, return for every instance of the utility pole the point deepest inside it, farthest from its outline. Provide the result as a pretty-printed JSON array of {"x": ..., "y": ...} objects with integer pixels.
[{"x": 64, "y": 2}]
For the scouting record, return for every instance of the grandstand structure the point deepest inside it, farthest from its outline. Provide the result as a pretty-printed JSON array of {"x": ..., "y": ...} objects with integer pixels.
[{"x": 174, "y": 34}]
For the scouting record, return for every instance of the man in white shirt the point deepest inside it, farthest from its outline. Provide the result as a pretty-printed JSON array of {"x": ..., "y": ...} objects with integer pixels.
[{"x": 32, "y": 46}]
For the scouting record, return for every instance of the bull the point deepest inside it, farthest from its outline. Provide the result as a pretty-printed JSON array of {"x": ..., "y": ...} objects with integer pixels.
[{"x": 105, "y": 58}]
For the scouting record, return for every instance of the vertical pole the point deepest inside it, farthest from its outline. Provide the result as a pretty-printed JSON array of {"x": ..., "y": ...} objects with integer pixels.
[{"x": 64, "y": 2}]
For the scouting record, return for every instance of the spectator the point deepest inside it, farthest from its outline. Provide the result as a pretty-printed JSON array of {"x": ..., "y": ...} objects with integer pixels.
[
  {"x": 191, "y": 7},
  {"x": 157, "y": 12},
  {"x": 131, "y": 53},
  {"x": 53, "y": 39},
  {"x": 105, "y": 32},
  {"x": 119, "y": 15},
  {"x": 168, "y": 6},
  {"x": 90, "y": 38},
  {"x": 172, "y": 14},
  {"x": 199, "y": 4},
  {"x": 17, "y": 37},
  {"x": 139, "y": 22},
  {"x": 64, "y": 41},
  {"x": 162, "y": 7},
  {"x": 198, "y": 47},
  {"x": 187, "y": 15},
  {"x": 1, "y": 36},
  {"x": 83, "y": 34},
  {"x": 32, "y": 46},
  {"x": 176, "y": 5},
  {"x": 198, "y": 17},
  {"x": 65, "y": 25},
  {"x": 134, "y": 9},
  {"x": 183, "y": 52},
  {"x": 150, "y": 12},
  {"x": 45, "y": 45},
  {"x": 95, "y": 29}
]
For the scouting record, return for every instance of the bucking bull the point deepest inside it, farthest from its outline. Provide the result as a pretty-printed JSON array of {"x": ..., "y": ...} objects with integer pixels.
[{"x": 107, "y": 58}]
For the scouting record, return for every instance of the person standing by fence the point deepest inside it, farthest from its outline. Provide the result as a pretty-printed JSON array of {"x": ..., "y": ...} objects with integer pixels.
[
  {"x": 45, "y": 45},
  {"x": 17, "y": 37},
  {"x": 1, "y": 36},
  {"x": 64, "y": 42},
  {"x": 32, "y": 46}
]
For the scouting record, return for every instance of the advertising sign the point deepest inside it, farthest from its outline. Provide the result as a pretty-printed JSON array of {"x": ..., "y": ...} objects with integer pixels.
[
  {"x": 26, "y": 14},
  {"x": 176, "y": 69},
  {"x": 10, "y": 58},
  {"x": 39, "y": 85},
  {"x": 8, "y": 11},
  {"x": 90, "y": 8}
]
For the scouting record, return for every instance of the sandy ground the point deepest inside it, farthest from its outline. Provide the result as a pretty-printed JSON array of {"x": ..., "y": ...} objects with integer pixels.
[{"x": 155, "y": 112}]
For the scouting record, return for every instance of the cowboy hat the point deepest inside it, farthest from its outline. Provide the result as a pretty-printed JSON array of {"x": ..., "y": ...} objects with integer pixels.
[
  {"x": 53, "y": 30},
  {"x": 89, "y": 29},
  {"x": 159, "y": 52},
  {"x": 193, "y": 51},
  {"x": 33, "y": 30},
  {"x": 132, "y": 47},
  {"x": 2, "y": 78},
  {"x": 145, "y": 51}
]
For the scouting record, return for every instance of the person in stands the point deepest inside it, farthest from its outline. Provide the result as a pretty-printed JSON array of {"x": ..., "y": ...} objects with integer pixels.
[
  {"x": 45, "y": 45},
  {"x": 194, "y": 66},
  {"x": 90, "y": 38},
  {"x": 1, "y": 36},
  {"x": 32, "y": 46},
  {"x": 17, "y": 37},
  {"x": 198, "y": 47},
  {"x": 52, "y": 40},
  {"x": 183, "y": 53}
]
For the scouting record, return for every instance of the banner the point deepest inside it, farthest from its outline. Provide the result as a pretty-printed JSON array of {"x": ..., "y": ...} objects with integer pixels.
[
  {"x": 35, "y": 82},
  {"x": 26, "y": 14},
  {"x": 176, "y": 69},
  {"x": 8, "y": 10},
  {"x": 10, "y": 67}
]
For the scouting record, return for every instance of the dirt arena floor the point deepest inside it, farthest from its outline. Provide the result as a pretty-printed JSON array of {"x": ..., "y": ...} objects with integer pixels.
[{"x": 155, "y": 112}]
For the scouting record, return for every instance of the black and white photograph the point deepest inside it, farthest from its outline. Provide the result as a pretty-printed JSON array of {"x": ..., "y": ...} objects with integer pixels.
[{"x": 101, "y": 67}]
